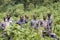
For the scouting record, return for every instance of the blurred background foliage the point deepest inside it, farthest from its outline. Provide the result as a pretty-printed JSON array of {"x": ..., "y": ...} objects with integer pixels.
[{"x": 29, "y": 7}]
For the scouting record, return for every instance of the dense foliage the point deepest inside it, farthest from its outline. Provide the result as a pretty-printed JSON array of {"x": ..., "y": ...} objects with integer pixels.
[{"x": 29, "y": 7}]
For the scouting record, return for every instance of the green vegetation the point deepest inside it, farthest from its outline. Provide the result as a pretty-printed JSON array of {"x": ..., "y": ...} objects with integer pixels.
[{"x": 29, "y": 7}]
